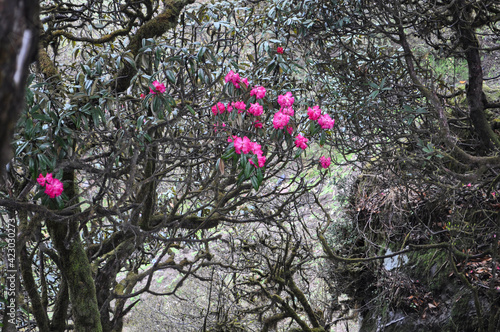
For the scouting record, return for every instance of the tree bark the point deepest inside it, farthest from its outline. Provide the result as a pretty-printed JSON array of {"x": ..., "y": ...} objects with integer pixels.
[{"x": 18, "y": 47}]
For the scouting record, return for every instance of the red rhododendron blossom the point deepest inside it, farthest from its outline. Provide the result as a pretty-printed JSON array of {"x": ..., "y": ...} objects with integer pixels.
[
  {"x": 218, "y": 109},
  {"x": 257, "y": 124},
  {"x": 143, "y": 96},
  {"x": 326, "y": 122},
  {"x": 230, "y": 76},
  {"x": 255, "y": 148},
  {"x": 229, "y": 108},
  {"x": 279, "y": 50},
  {"x": 256, "y": 109},
  {"x": 239, "y": 105},
  {"x": 242, "y": 145},
  {"x": 280, "y": 120},
  {"x": 324, "y": 161},
  {"x": 289, "y": 129},
  {"x": 261, "y": 160},
  {"x": 159, "y": 87},
  {"x": 41, "y": 180},
  {"x": 287, "y": 111},
  {"x": 259, "y": 92},
  {"x": 314, "y": 113},
  {"x": 235, "y": 79},
  {"x": 286, "y": 100},
  {"x": 53, "y": 188},
  {"x": 300, "y": 142}
]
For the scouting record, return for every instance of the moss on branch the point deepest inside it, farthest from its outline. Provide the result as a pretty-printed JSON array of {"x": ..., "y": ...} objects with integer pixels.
[{"x": 157, "y": 26}]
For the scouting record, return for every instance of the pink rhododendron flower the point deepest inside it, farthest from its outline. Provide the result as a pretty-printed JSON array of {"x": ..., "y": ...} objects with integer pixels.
[
  {"x": 230, "y": 76},
  {"x": 287, "y": 111},
  {"x": 259, "y": 92},
  {"x": 49, "y": 178},
  {"x": 289, "y": 129},
  {"x": 261, "y": 160},
  {"x": 159, "y": 87},
  {"x": 314, "y": 113},
  {"x": 235, "y": 79},
  {"x": 286, "y": 100},
  {"x": 143, "y": 96},
  {"x": 258, "y": 124},
  {"x": 239, "y": 105},
  {"x": 256, "y": 109},
  {"x": 324, "y": 161},
  {"x": 300, "y": 142},
  {"x": 53, "y": 188},
  {"x": 242, "y": 145},
  {"x": 218, "y": 109},
  {"x": 280, "y": 120},
  {"x": 279, "y": 50},
  {"x": 255, "y": 148},
  {"x": 41, "y": 180},
  {"x": 229, "y": 107},
  {"x": 326, "y": 122}
]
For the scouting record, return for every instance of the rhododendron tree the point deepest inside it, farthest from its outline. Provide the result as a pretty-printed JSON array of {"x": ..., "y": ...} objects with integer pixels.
[{"x": 150, "y": 142}]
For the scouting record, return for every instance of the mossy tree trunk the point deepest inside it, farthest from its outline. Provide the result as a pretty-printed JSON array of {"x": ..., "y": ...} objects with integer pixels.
[{"x": 76, "y": 269}]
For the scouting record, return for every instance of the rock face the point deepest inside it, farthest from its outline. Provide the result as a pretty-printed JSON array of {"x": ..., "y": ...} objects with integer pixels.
[{"x": 445, "y": 275}]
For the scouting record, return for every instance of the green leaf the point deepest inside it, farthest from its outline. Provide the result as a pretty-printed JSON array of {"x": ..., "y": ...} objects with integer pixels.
[
  {"x": 170, "y": 76},
  {"x": 322, "y": 139},
  {"x": 130, "y": 61},
  {"x": 248, "y": 169},
  {"x": 255, "y": 183},
  {"x": 260, "y": 175}
]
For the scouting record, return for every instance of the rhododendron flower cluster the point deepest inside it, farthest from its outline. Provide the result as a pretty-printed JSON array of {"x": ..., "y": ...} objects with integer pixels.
[
  {"x": 159, "y": 88},
  {"x": 244, "y": 145},
  {"x": 235, "y": 79},
  {"x": 300, "y": 142},
  {"x": 324, "y": 162},
  {"x": 286, "y": 100},
  {"x": 279, "y": 50},
  {"x": 287, "y": 111},
  {"x": 53, "y": 187},
  {"x": 239, "y": 105},
  {"x": 326, "y": 122},
  {"x": 280, "y": 120},
  {"x": 314, "y": 113},
  {"x": 259, "y": 92},
  {"x": 256, "y": 109},
  {"x": 218, "y": 109}
]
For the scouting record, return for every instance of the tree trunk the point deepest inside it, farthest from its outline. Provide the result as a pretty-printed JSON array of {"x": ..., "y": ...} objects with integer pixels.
[{"x": 18, "y": 48}]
